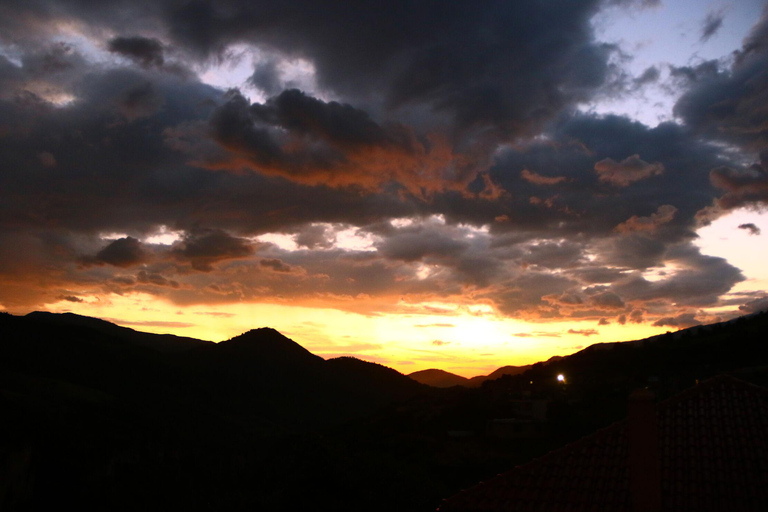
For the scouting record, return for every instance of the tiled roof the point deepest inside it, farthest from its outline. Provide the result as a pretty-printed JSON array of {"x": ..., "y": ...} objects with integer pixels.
[{"x": 713, "y": 456}]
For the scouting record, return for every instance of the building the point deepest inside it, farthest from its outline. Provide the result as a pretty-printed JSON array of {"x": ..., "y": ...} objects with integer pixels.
[{"x": 705, "y": 449}]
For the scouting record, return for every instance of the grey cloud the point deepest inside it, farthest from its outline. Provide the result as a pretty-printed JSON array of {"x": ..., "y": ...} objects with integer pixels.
[
  {"x": 680, "y": 321},
  {"x": 266, "y": 77},
  {"x": 700, "y": 281},
  {"x": 123, "y": 252},
  {"x": 742, "y": 186},
  {"x": 751, "y": 227},
  {"x": 276, "y": 265},
  {"x": 414, "y": 245},
  {"x": 650, "y": 75},
  {"x": 145, "y": 51},
  {"x": 729, "y": 104},
  {"x": 755, "y": 306},
  {"x": 140, "y": 101},
  {"x": 154, "y": 278},
  {"x": 315, "y": 236},
  {"x": 711, "y": 25},
  {"x": 203, "y": 248},
  {"x": 607, "y": 300}
]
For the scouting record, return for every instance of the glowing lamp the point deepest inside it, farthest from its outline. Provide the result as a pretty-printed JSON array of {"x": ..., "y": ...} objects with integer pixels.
[{"x": 561, "y": 378}]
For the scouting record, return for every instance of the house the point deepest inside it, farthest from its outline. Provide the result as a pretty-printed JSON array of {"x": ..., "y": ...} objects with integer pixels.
[{"x": 705, "y": 449}]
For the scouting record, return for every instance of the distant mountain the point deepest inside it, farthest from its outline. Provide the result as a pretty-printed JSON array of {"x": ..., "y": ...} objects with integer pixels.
[
  {"x": 442, "y": 379},
  {"x": 504, "y": 370},
  {"x": 439, "y": 378}
]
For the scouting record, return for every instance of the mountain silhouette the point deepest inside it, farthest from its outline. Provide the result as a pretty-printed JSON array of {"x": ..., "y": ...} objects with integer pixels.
[
  {"x": 442, "y": 379},
  {"x": 108, "y": 417},
  {"x": 438, "y": 378}
]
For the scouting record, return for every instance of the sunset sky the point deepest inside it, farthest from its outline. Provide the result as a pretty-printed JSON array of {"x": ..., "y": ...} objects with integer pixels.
[{"x": 424, "y": 184}]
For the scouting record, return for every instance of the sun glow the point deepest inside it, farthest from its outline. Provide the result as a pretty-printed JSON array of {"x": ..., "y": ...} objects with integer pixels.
[{"x": 466, "y": 340}]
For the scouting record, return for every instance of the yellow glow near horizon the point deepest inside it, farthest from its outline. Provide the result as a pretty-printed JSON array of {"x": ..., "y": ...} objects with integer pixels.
[{"x": 461, "y": 342}]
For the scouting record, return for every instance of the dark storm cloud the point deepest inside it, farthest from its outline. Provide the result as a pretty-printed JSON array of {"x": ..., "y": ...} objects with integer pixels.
[
  {"x": 743, "y": 187},
  {"x": 147, "y": 52},
  {"x": 266, "y": 77},
  {"x": 463, "y": 61},
  {"x": 123, "y": 252},
  {"x": 730, "y": 104},
  {"x": 140, "y": 101},
  {"x": 463, "y": 112},
  {"x": 203, "y": 248},
  {"x": 314, "y": 142}
]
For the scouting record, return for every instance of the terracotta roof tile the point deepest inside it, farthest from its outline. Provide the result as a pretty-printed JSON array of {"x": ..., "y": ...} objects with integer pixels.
[{"x": 713, "y": 456}]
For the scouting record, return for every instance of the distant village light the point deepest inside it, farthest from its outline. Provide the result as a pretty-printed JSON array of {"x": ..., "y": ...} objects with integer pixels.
[{"x": 561, "y": 378}]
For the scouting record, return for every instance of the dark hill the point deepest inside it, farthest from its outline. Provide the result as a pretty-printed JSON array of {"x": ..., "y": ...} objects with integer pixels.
[
  {"x": 268, "y": 344},
  {"x": 438, "y": 378},
  {"x": 159, "y": 342}
]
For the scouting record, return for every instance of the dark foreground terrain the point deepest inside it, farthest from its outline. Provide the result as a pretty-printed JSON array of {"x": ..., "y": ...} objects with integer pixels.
[{"x": 103, "y": 417}]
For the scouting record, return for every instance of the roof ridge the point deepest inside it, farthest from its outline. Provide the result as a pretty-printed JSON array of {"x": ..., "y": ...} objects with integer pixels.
[{"x": 706, "y": 385}]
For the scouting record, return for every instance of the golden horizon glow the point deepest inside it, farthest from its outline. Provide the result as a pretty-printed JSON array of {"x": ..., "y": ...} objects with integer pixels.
[{"x": 462, "y": 343}]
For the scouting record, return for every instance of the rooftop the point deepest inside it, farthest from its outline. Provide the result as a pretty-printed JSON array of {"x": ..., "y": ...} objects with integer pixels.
[{"x": 711, "y": 454}]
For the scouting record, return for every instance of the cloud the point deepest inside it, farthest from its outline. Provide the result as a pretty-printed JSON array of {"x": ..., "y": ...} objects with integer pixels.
[
  {"x": 626, "y": 172},
  {"x": 583, "y": 332},
  {"x": 70, "y": 298},
  {"x": 607, "y": 300},
  {"x": 440, "y": 343},
  {"x": 742, "y": 187},
  {"x": 275, "y": 265},
  {"x": 663, "y": 215},
  {"x": 711, "y": 25},
  {"x": 123, "y": 252},
  {"x": 315, "y": 236},
  {"x": 751, "y": 228},
  {"x": 755, "y": 306},
  {"x": 728, "y": 103},
  {"x": 145, "y": 51},
  {"x": 464, "y": 124},
  {"x": 680, "y": 321},
  {"x": 538, "y": 334},
  {"x": 203, "y": 248},
  {"x": 538, "y": 179}
]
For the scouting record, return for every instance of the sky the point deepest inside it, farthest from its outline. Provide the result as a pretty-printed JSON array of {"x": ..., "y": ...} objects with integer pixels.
[{"x": 459, "y": 185}]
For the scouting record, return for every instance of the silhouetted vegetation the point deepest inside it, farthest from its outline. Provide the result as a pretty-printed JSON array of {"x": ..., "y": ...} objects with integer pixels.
[{"x": 101, "y": 417}]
